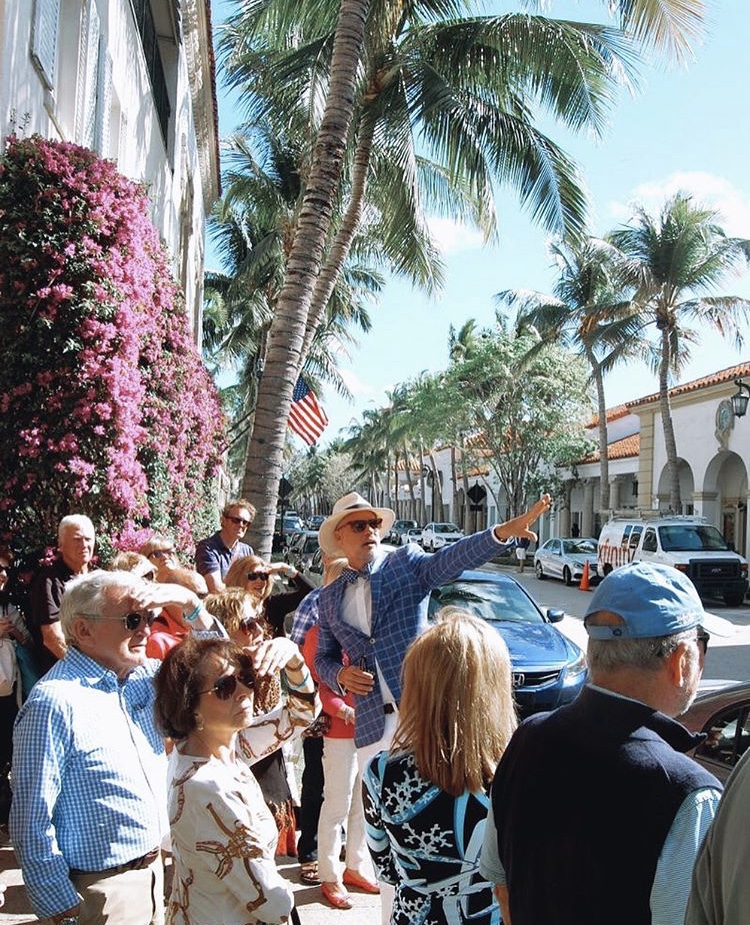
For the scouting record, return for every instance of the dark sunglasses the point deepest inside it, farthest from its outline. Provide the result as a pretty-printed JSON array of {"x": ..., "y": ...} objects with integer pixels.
[
  {"x": 131, "y": 621},
  {"x": 239, "y": 521},
  {"x": 258, "y": 576},
  {"x": 703, "y": 638},
  {"x": 359, "y": 526},
  {"x": 226, "y": 686},
  {"x": 249, "y": 624}
]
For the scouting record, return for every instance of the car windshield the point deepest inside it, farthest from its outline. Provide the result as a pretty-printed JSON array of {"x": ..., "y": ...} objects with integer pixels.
[
  {"x": 490, "y": 600},
  {"x": 311, "y": 544},
  {"x": 446, "y": 528},
  {"x": 688, "y": 537},
  {"x": 579, "y": 547}
]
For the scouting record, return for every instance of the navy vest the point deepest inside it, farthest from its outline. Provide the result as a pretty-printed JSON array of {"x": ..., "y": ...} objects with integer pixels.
[{"x": 583, "y": 799}]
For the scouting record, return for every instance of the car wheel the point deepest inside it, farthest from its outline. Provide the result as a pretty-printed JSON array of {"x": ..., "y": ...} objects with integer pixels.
[
  {"x": 539, "y": 571},
  {"x": 733, "y": 598},
  {"x": 567, "y": 577}
]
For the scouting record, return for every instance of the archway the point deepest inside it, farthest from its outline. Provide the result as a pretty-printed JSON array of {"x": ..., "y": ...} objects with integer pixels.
[
  {"x": 687, "y": 487},
  {"x": 725, "y": 484}
]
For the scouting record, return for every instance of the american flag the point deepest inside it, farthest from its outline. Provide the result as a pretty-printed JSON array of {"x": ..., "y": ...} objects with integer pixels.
[{"x": 306, "y": 417}]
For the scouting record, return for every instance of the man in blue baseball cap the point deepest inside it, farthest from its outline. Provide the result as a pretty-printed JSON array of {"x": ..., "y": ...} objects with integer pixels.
[{"x": 597, "y": 813}]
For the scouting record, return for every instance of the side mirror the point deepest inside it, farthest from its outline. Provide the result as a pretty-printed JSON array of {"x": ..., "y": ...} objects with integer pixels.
[{"x": 555, "y": 615}]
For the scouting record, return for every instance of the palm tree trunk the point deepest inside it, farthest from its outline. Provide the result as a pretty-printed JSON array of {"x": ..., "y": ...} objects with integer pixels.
[
  {"x": 670, "y": 444},
  {"x": 342, "y": 243},
  {"x": 286, "y": 336},
  {"x": 603, "y": 441}
]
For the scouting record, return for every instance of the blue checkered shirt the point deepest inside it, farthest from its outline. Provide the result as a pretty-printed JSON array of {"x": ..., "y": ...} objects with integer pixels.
[
  {"x": 89, "y": 776},
  {"x": 305, "y": 616},
  {"x": 400, "y": 585}
]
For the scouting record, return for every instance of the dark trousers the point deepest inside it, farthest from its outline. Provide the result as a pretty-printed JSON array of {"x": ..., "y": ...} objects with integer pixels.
[{"x": 311, "y": 799}]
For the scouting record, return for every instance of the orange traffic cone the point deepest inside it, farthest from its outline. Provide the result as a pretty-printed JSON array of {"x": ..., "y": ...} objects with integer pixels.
[{"x": 585, "y": 584}]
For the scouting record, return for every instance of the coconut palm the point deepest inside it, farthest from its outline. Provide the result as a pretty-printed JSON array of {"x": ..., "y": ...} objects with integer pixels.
[
  {"x": 587, "y": 315},
  {"x": 474, "y": 81},
  {"x": 672, "y": 262}
]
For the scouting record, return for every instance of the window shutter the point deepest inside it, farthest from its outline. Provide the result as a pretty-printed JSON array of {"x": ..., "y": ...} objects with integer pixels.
[
  {"x": 90, "y": 77},
  {"x": 44, "y": 38}
]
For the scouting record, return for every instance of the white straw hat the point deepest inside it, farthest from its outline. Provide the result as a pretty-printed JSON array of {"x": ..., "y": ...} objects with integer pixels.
[{"x": 349, "y": 504}]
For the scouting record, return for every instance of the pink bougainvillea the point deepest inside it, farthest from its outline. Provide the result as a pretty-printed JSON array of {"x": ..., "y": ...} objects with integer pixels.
[{"x": 106, "y": 407}]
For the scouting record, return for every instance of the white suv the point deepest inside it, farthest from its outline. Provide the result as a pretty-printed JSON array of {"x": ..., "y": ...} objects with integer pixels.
[{"x": 435, "y": 536}]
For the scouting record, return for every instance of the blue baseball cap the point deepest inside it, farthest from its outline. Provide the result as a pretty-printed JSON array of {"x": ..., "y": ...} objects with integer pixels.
[{"x": 652, "y": 600}]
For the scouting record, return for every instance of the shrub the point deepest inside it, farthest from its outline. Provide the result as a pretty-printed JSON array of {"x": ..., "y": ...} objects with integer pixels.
[{"x": 105, "y": 406}]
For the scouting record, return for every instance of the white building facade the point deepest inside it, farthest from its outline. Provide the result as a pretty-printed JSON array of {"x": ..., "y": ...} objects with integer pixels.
[{"x": 133, "y": 80}]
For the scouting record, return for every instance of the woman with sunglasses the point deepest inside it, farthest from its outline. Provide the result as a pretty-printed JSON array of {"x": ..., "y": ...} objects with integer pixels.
[
  {"x": 241, "y": 613},
  {"x": 223, "y": 836},
  {"x": 257, "y": 577},
  {"x": 426, "y": 800}
]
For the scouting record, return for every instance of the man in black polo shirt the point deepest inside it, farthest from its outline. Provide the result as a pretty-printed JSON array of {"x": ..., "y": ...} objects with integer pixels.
[
  {"x": 75, "y": 548},
  {"x": 597, "y": 815}
]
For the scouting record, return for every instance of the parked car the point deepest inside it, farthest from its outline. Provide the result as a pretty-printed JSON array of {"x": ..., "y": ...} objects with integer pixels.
[
  {"x": 283, "y": 530},
  {"x": 314, "y": 521},
  {"x": 301, "y": 548},
  {"x": 397, "y": 534},
  {"x": 437, "y": 535},
  {"x": 565, "y": 557},
  {"x": 548, "y": 669},
  {"x": 413, "y": 535},
  {"x": 722, "y": 711}
]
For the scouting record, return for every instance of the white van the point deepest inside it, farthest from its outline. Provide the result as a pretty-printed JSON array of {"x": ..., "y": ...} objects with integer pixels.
[{"x": 690, "y": 544}]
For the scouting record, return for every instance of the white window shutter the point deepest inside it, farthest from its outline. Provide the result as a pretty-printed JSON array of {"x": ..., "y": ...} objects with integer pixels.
[
  {"x": 44, "y": 38},
  {"x": 89, "y": 76},
  {"x": 103, "y": 101}
]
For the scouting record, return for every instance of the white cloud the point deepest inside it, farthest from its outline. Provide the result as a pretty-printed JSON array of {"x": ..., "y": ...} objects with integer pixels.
[
  {"x": 708, "y": 189},
  {"x": 356, "y": 386},
  {"x": 452, "y": 237}
]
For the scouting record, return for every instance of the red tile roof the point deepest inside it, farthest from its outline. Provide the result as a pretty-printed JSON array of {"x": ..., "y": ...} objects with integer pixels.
[
  {"x": 627, "y": 448},
  {"x": 613, "y": 414},
  {"x": 723, "y": 375}
]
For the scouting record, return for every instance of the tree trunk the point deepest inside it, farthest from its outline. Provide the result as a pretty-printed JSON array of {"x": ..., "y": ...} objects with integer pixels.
[
  {"x": 670, "y": 444},
  {"x": 286, "y": 335},
  {"x": 603, "y": 440},
  {"x": 342, "y": 243}
]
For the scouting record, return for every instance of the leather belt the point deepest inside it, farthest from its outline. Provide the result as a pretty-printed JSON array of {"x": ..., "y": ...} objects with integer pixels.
[
  {"x": 389, "y": 708},
  {"x": 137, "y": 864}
]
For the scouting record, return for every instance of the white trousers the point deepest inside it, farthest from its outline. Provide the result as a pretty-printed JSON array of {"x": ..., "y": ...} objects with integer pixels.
[
  {"x": 342, "y": 804},
  {"x": 364, "y": 756}
]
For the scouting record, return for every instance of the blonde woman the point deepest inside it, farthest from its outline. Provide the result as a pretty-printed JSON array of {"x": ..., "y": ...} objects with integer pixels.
[
  {"x": 426, "y": 798},
  {"x": 241, "y": 613},
  {"x": 257, "y": 577}
]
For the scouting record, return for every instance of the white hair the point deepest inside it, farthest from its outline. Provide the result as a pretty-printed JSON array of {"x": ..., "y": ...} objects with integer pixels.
[{"x": 74, "y": 520}]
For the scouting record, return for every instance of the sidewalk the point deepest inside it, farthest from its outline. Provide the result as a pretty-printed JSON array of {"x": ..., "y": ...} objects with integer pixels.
[{"x": 312, "y": 911}]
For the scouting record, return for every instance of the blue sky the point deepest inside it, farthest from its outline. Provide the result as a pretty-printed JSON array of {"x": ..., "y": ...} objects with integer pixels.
[{"x": 686, "y": 129}]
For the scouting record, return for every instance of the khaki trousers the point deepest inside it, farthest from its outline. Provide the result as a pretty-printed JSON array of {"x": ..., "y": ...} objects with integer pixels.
[{"x": 133, "y": 897}]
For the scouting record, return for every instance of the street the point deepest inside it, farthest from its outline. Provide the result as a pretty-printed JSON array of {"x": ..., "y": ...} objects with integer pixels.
[{"x": 727, "y": 658}]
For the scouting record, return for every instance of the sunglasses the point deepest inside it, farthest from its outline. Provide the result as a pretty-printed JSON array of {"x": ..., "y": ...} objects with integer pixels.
[
  {"x": 249, "y": 624},
  {"x": 162, "y": 553},
  {"x": 258, "y": 576},
  {"x": 359, "y": 526},
  {"x": 131, "y": 621},
  {"x": 238, "y": 521},
  {"x": 226, "y": 686},
  {"x": 703, "y": 638}
]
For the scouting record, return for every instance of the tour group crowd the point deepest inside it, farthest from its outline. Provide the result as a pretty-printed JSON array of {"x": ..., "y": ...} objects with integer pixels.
[{"x": 148, "y": 709}]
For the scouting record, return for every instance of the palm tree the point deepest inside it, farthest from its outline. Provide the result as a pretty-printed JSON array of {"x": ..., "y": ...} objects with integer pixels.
[
  {"x": 586, "y": 314},
  {"x": 473, "y": 81},
  {"x": 672, "y": 262}
]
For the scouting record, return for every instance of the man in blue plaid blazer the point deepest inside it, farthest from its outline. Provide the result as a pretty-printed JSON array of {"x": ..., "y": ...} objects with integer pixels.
[{"x": 379, "y": 605}]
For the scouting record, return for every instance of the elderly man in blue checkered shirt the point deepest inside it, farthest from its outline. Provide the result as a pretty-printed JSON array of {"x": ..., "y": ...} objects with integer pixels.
[{"x": 89, "y": 767}]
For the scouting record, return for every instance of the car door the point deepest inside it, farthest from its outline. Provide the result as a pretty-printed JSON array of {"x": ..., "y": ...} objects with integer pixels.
[
  {"x": 727, "y": 740},
  {"x": 554, "y": 558}
]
